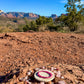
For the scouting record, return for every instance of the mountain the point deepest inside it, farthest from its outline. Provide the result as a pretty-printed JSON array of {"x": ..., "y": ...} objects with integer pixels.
[
  {"x": 22, "y": 15},
  {"x": 64, "y": 14},
  {"x": 54, "y": 16},
  {"x": 19, "y": 15},
  {"x": 1, "y": 12}
]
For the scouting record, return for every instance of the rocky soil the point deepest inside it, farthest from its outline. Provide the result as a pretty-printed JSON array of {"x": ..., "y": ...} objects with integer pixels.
[{"x": 36, "y": 49}]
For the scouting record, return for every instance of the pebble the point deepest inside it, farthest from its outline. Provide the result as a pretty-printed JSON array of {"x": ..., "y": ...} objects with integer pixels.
[
  {"x": 27, "y": 81},
  {"x": 52, "y": 68},
  {"x": 36, "y": 69},
  {"x": 21, "y": 79},
  {"x": 55, "y": 72},
  {"x": 58, "y": 74},
  {"x": 43, "y": 67},
  {"x": 29, "y": 73},
  {"x": 61, "y": 82},
  {"x": 62, "y": 77},
  {"x": 26, "y": 77}
]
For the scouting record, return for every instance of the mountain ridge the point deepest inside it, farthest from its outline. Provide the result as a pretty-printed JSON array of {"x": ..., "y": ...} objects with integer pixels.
[{"x": 23, "y": 14}]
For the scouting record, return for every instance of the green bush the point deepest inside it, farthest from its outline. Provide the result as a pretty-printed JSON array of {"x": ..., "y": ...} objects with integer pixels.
[
  {"x": 52, "y": 28},
  {"x": 26, "y": 28}
]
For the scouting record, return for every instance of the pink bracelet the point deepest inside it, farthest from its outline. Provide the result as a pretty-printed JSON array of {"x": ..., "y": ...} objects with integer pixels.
[{"x": 50, "y": 74}]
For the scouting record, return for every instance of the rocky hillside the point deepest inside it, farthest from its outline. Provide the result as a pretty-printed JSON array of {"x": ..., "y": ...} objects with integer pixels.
[
  {"x": 19, "y": 15},
  {"x": 22, "y": 15},
  {"x": 37, "y": 49}
]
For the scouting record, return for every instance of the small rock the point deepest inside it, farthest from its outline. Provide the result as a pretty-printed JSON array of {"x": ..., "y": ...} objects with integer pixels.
[
  {"x": 27, "y": 81},
  {"x": 29, "y": 73},
  {"x": 62, "y": 77},
  {"x": 58, "y": 74},
  {"x": 43, "y": 67},
  {"x": 36, "y": 69},
  {"x": 61, "y": 82},
  {"x": 26, "y": 77},
  {"x": 52, "y": 68},
  {"x": 21, "y": 79}
]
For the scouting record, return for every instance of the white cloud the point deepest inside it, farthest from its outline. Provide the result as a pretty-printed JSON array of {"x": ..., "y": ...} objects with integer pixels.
[
  {"x": 82, "y": 2},
  {"x": 65, "y": 1}
]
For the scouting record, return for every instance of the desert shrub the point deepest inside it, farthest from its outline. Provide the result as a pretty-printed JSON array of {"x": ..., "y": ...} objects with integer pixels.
[
  {"x": 8, "y": 25},
  {"x": 5, "y": 30},
  {"x": 33, "y": 26},
  {"x": 19, "y": 28},
  {"x": 52, "y": 27},
  {"x": 42, "y": 28},
  {"x": 43, "y": 20},
  {"x": 26, "y": 28},
  {"x": 30, "y": 26}
]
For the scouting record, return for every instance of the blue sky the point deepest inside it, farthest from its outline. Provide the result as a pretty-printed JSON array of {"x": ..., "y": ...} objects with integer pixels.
[{"x": 42, "y": 7}]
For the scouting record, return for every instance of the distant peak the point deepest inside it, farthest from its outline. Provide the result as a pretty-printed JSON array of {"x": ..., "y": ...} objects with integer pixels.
[{"x": 1, "y": 11}]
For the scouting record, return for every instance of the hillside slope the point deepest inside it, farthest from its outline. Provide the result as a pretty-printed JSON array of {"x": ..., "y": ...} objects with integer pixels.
[{"x": 20, "y": 49}]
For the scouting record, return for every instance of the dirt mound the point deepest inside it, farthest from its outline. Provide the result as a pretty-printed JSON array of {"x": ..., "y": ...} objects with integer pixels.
[{"x": 18, "y": 50}]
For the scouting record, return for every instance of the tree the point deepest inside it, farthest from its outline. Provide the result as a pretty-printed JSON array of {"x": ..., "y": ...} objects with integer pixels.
[
  {"x": 39, "y": 21},
  {"x": 33, "y": 26},
  {"x": 74, "y": 14},
  {"x": 26, "y": 28},
  {"x": 43, "y": 20},
  {"x": 49, "y": 20}
]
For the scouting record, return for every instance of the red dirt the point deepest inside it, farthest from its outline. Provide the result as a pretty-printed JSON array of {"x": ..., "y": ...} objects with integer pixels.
[{"x": 20, "y": 49}]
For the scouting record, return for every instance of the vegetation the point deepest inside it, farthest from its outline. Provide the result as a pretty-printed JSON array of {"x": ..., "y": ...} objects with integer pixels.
[
  {"x": 73, "y": 21},
  {"x": 43, "y": 20},
  {"x": 12, "y": 24},
  {"x": 74, "y": 16},
  {"x": 40, "y": 24},
  {"x": 69, "y": 22}
]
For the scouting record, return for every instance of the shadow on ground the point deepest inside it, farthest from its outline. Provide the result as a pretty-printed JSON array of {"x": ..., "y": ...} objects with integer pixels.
[{"x": 5, "y": 78}]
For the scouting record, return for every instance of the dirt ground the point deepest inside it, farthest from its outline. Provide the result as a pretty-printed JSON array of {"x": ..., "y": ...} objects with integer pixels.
[{"x": 21, "y": 49}]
